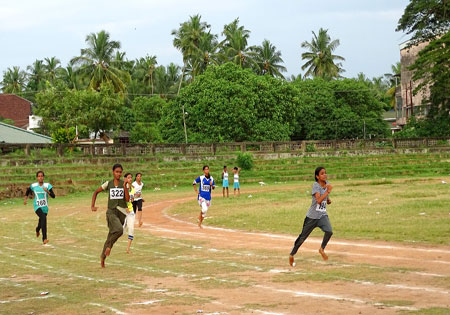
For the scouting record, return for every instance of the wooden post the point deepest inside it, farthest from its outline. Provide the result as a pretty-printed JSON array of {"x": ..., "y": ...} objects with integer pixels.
[
  {"x": 27, "y": 150},
  {"x": 60, "y": 150},
  {"x": 124, "y": 149},
  {"x": 243, "y": 147},
  {"x": 183, "y": 148}
]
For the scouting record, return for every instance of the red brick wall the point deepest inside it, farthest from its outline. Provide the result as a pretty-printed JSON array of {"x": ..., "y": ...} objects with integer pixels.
[{"x": 15, "y": 108}]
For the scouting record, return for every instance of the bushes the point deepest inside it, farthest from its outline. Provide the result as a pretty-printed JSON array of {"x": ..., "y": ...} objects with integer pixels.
[{"x": 245, "y": 161}]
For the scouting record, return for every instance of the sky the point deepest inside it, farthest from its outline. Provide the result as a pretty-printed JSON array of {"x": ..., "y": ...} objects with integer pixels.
[{"x": 32, "y": 30}]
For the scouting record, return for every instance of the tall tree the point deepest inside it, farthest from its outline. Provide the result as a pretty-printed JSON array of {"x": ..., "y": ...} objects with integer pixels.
[
  {"x": 51, "y": 66},
  {"x": 235, "y": 46},
  {"x": 36, "y": 76},
  {"x": 269, "y": 59},
  {"x": 425, "y": 19},
  {"x": 95, "y": 62},
  {"x": 320, "y": 59},
  {"x": 13, "y": 80},
  {"x": 144, "y": 71}
]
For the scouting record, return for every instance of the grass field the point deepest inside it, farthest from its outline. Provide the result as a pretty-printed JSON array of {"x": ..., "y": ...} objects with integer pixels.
[
  {"x": 378, "y": 202},
  {"x": 404, "y": 210}
]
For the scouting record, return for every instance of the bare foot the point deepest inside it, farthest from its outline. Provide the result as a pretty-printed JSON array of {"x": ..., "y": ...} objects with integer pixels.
[
  {"x": 322, "y": 252},
  {"x": 45, "y": 242},
  {"x": 128, "y": 251},
  {"x": 140, "y": 223},
  {"x": 107, "y": 251},
  {"x": 291, "y": 261},
  {"x": 102, "y": 262},
  {"x": 37, "y": 234}
]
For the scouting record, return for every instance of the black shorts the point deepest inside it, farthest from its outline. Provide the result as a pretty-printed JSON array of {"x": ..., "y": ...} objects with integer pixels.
[{"x": 137, "y": 205}]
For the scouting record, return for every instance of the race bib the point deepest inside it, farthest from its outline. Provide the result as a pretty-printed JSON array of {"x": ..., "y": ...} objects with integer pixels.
[
  {"x": 116, "y": 193},
  {"x": 41, "y": 202},
  {"x": 206, "y": 188},
  {"x": 322, "y": 207}
]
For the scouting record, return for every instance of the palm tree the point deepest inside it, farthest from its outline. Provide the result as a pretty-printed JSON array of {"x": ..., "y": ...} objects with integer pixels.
[
  {"x": 235, "y": 46},
  {"x": 144, "y": 69},
  {"x": 320, "y": 58},
  {"x": 96, "y": 60},
  {"x": 52, "y": 66},
  {"x": 167, "y": 79},
  {"x": 393, "y": 79},
  {"x": 69, "y": 77},
  {"x": 36, "y": 76},
  {"x": 269, "y": 59},
  {"x": 13, "y": 80},
  {"x": 188, "y": 38}
]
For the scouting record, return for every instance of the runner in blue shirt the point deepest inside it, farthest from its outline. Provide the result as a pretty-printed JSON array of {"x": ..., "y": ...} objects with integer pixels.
[
  {"x": 41, "y": 192},
  {"x": 204, "y": 195}
]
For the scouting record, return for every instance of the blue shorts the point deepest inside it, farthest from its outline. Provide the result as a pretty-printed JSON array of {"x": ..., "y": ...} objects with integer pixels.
[
  {"x": 225, "y": 183},
  {"x": 236, "y": 186}
]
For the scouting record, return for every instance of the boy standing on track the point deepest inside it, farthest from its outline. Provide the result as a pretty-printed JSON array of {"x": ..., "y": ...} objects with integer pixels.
[
  {"x": 41, "y": 192},
  {"x": 118, "y": 196},
  {"x": 204, "y": 196},
  {"x": 225, "y": 183},
  {"x": 317, "y": 214}
]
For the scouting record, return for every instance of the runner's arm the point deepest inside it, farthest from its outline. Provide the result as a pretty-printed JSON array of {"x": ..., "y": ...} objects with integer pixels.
[
  {"x": 94, "y": 198},
  {"x": 320, "y": 198},
  {"x": 27, "y": 193}
]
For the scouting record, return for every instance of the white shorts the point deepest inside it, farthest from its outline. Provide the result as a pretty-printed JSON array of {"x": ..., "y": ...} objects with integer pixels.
[
  {"x": 128, "y": 225},
  {"x": 205, "y": 204}
]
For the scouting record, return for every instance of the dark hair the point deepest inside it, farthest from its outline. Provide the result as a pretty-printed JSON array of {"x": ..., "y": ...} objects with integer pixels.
[
  {"x": 224, "y": 166},
  {"x": 317, "y": 171},
  {"x": 126, "y": 175},
  {"x": 206, "y": 166},
  {"x": 138, "y": 173},
  {"x": 117, "y": 165},
  {"x": 235, "y": 168},
  {"x": 39, "y": 172}
]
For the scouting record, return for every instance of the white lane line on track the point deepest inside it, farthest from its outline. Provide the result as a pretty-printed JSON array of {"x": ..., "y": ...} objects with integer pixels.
[
  {"x": 112, "y": 309},
  {"x": 278, "y": 236}
]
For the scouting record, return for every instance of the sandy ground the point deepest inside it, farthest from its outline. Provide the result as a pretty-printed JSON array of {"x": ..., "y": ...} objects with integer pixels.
[{"x": 426, "y": 265}]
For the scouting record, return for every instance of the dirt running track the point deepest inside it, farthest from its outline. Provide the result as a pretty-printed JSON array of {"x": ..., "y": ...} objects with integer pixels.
[{"x": 307, "y": 297}]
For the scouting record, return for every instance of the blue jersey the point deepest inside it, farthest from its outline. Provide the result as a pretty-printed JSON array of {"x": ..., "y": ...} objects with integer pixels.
[
  {"x": 40, "y": 196},
  {"x": 205, "y": 186}
]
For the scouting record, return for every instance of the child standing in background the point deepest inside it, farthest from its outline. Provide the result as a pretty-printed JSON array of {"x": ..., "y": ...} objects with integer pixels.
[
  {"x": 225, "y": 181},
  {"x": 236, "y": 185}
]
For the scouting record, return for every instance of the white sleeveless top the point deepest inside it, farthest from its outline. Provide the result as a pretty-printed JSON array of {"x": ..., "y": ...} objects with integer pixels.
[
  {"x": 225, "y": 175},
  {"x": 138, "y": 189},
  {"x": 236, "y": 178}
]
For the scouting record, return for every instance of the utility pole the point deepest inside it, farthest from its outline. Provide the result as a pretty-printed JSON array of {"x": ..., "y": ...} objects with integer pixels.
[{"x": 184, "y": 113}]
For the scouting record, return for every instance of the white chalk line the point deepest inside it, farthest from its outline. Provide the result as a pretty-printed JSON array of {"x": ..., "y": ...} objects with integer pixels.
[
  {"x": 112, "y": 309},
  {"x": 278, "y": 236}
]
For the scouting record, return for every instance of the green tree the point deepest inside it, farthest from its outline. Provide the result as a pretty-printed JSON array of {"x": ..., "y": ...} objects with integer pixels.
[
  {"x": 269, "y": 59},
  {"x": 425, "y": 19},
  {"x": 235, "y": 46},
  {"x": 36, "y": 76},
  {"x": 95, "y": 62},
  {"x": 51, "y": 67},
  {"x": 13, "y": 81},
  {"x": 144, "y": 71},
  {"x": 228, "y": 103},
  {"x": 320, "y": 59}
]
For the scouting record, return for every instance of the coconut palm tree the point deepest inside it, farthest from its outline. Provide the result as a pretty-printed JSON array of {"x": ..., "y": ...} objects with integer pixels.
[
  {"x": 393, "y": 79},
  {"x": 269, "y": 59},
  {"x": 188, "y": 38},
  {"x": 235, "y": 46},
  {"x": 144, "y": 70},
  {"x": 36, "y": 76},
  {"x": 13, "y": 80},
  {"x": 96, "y": 62},
  {"x": 51, "y": 66},
  {"x": 320, "y": 59}
]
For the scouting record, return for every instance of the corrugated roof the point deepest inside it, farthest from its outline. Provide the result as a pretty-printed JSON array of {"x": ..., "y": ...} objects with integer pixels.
[{"x": 12, "y": 134}]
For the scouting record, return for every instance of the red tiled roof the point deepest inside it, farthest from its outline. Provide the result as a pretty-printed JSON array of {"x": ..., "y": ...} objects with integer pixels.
[{"x": 16, "y": 108}]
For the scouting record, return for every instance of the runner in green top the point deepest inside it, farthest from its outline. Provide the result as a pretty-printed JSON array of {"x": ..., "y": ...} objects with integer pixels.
[
  {"x": 41, "y": 192},
  {"x": 118, "y": 196}
]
